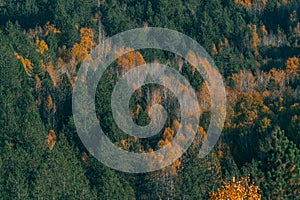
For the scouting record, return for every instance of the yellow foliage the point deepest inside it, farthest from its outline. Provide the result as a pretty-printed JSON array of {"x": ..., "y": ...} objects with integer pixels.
[
  {"x": 265, "y": 123},
  {"x": 249, "y": 3},
  {"x": 295, "y": 105},
  {"x": 292, "y": 65},
  {"x": 80, "y": 51},
  {"x": 237, "y": 190},
  {"x": 42, "y": 46},
  {"x": 168, "y": 134},
  {"x": 246, "y": 3},
  {"x": 162, "y": 143},
  {"x": 51, "y": 139},
  {"x": 87, "y": 35},
  {"x": 130, "y": 60},
  {"x": 28, "y": 66}
]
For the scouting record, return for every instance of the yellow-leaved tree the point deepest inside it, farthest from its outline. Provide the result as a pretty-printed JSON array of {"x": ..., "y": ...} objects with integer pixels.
[
  {"x": 28, "y": 66},
  {"x": 41, "y": 45},
  {"x": 130, "y": 59},
  {"x": 81, "y": 50},
  {"x": 292, "y": 65},
  {"x": 237, "y": 190}
]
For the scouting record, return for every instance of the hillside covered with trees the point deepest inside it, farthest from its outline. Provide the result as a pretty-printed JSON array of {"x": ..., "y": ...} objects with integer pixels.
[{"x": 254, "y": 43}]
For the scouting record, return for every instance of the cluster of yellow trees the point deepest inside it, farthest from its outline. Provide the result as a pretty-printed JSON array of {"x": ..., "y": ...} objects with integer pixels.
[
  {"x": 237, "y": 190},
  {"x": 82, "y": 49},
  {"x": 249, "y": 3}
]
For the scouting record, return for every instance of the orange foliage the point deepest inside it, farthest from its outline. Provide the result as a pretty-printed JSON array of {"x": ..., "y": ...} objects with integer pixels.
[
  {"x": 168, "y": 134},
  {"x": 51, "y": 139},
  {"x": 28, "y": 66},
  {"x": 201, "y": 134},
  {"x": 127, "y": 143},
  {"x": 137, "y": 111},
  {"x": 38, "y": 82},
  {"x": 214, "y": 50},
  {"x": 244, "y": 81},
  {"x": 49, "y": 105},
  {"x": 246, "y": 3},
  {"x": 193, "y": 59},
  {"x": 130, "y": 60},
  {"x": 222, "y": 44},
  {"x": 292, "y": 65},
  {"x": 264, "y": 30},
  {"x": 167, "y": 137},
  {"x": 237, "y": 190},
  {"x": 279, "y": 76},
  {"x": 204, "y": 98},
  {"x": 176, "y": 124},
  {"x": 249, "y": 3},
  {"x": 84, "y": 157},
  {"x": 226, "y": 42},
  {"x": 255, "y": 40}
]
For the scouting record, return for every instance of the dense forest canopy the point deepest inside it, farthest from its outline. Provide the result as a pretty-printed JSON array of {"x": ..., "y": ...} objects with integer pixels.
[{"x": 254, "y": 43}]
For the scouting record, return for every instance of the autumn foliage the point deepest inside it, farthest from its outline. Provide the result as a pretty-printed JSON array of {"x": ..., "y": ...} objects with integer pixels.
[
  {"x": 81, "y": 50},
  {"x": 292, "y": 65},
  {"x": 41, "y": 45},
  {"x": 51, "y": 139},
  {"x": 28, "y": 66},
  {"x": 237, "y": 190},
  {"x": 130, "y": 59}
]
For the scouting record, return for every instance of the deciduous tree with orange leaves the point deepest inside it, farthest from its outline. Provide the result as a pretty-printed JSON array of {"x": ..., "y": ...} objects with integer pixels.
[{"x": 292, "y": 65}]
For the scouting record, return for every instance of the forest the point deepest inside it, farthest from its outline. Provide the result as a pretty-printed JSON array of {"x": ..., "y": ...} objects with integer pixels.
[{"x": 254, "y": 43}]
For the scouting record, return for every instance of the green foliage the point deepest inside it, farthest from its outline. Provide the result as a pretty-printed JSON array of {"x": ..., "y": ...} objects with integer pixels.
[
  {"x": 280, "y": 167},
  {"x": 107, "y": 183},
  {"x": 60, "y": 175}
]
